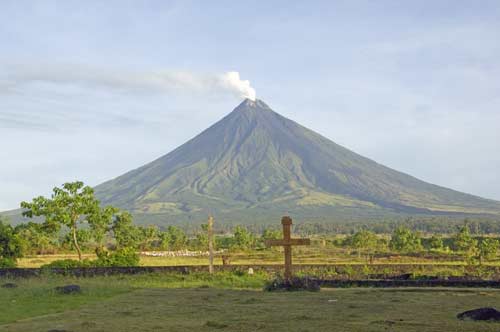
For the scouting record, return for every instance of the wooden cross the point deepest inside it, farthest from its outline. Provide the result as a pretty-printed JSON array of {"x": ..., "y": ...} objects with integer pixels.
[{"x": 287, "y": 243}]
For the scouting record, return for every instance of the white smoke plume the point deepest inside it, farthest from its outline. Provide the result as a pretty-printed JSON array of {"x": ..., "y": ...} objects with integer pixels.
[
  {"x": 233, "y": 81},
  {"x": 159, "y": 81}
]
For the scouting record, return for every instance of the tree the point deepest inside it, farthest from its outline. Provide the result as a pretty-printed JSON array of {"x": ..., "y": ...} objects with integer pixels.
[
  {"x": 70, "y": 206},
  {"x": 10, "y": 245},
  {"x": 242, "y": 238},
  {"x": 404, "y": 240},
  {"x": 83, "y": 237},
  {"x": 36, "y": 239},
  {"x": 201, "y": 241},
  {"x": 271, "y": 234},
  {"x": 363, "y": 241},
  {"x": 177, "y": 238},
  {"x": 464, "y": 242},
  {"x": 126, "y": 234},
  {"x": 101, "y": 222},
  {"x": 436, "y": 243},
  {"x": 487, "y": 249}
]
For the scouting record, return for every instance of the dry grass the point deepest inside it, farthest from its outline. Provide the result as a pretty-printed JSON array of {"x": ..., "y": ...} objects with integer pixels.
[{"x": 302, "y": 255}]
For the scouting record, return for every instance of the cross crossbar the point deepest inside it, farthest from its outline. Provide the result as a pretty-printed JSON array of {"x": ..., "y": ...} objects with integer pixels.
[{"x": 291, "y": 242}]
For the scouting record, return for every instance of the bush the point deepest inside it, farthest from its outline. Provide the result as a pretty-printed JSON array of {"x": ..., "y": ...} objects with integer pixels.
[
  {"x": 10, "y": 245},
  {"x": 294, "y": 284},
  {"x": 7, "y": 263},
  {"x": 68, "y": 264},
  {"x": 121, "y": 258}
]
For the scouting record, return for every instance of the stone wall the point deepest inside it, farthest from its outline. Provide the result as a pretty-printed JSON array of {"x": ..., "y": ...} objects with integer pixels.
[{"x": 321, "y": 271}]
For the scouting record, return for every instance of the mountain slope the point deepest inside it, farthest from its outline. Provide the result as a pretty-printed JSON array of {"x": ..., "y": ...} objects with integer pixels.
[{"x": 254, "y": 161}]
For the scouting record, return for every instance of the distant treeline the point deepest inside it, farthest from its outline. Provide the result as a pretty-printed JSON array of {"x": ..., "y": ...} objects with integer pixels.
[
  {"x": 434, "y": 225},
  {"x": 426, "y": 225}
]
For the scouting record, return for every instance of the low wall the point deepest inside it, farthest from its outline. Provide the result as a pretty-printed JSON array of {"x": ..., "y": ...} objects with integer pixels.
[
  {"x": 410, "y": 283},
  {"x": 321, "y": 271}
]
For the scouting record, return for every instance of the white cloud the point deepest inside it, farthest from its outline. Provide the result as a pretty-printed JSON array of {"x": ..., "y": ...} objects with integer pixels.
[{"x": 17, "y": 76}]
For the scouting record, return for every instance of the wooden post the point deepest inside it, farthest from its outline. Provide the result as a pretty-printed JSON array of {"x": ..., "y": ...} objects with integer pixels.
[
  {"x": 287, "y": 244},
  {"x": 210, "y": 245},
  {"x": 287, "y": 230}
]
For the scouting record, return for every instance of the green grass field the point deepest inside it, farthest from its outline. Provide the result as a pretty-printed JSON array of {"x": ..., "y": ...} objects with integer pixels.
[{"x": 228, "y": 302}]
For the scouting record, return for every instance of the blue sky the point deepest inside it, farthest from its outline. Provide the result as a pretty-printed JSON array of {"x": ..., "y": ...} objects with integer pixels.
[{"x": 91, "y": 89}]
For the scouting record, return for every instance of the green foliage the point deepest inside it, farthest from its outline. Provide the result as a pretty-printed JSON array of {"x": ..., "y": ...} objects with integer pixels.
[
  {"x": 7, "y": 263},
  {"x": 101, "y": 222},
  {"x": 242, "y": 239},
  {"x": 68, "y": 264},
  {"x": 271, "y": 234},
  {"x": 126, "y": 234},
  {"x": 177, "y": 239},
  {"x": 404, "y": 240},
  {"x": 436, "y": 242},
  {"x": 123, "y": 257},
  {"x": 362, "y": 240},
  {"x": 465, "y": 243},
  {"x": 10, "y": 245},
  {"x": 488, "y": 249},
  {"x": 36, "y": 239},
  {"x": 71, "y": 206},
  {"x": 201, "y": 240},
  {"x": 83, "y": 236},
  {"x": 463, "y": 240}
]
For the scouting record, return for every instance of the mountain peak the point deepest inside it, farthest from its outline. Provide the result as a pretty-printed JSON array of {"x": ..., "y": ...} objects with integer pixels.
[{"x": 255, "y": 104}]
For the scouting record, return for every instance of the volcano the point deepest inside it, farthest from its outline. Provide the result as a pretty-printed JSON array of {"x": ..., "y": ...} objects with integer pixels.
[{"x": 256, "y": 165}]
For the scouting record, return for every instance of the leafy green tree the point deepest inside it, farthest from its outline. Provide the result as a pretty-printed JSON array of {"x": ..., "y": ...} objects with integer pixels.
[
  {"x": 10, "y": 245},
  {"x": 404, "y": 240},
  {"x": 83, "y": 236},
  {"x": 465, "y": 243},
  {"x": 101, "y": 222},
  {"x": 488, "y": 249},
  {"x": 363, "y": 241},
  {"x": 201, "y": 241},
  {"x": 36, "y": 239},
  {"x": 242, "y": 239},
  {"x": 150, "y": 235},
  {"x": 436, "y": 243},
  {"x": 177, "y": 238},
  {"x": 126, "y": 234},
  {"x": 70, "y": 206},
  {"x": 271, "y": 234}
]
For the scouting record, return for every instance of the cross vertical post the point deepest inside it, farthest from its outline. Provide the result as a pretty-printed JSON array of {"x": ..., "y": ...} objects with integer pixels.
[{"x": 287, "y": 225}]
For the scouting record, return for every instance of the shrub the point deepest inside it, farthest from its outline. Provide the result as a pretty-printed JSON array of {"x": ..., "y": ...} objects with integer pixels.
[
  {"x": 10, "y": 245},
  {"x": 7, "y": 263},
  {"x": 121, "y": 258},
  {"x": 68, "y": 264}
]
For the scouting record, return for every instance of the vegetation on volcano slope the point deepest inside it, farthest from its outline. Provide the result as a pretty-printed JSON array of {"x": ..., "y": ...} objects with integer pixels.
[{"x": 254, "y": 163}]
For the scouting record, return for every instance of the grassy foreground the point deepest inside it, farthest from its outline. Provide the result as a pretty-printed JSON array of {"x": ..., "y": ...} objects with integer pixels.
[{"x": 229, "y": 302}]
